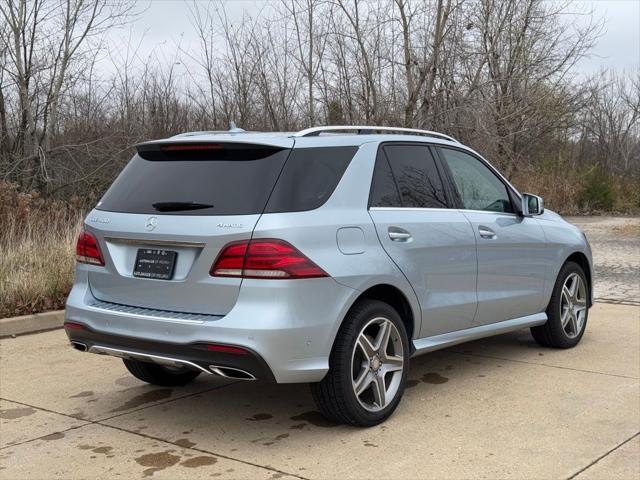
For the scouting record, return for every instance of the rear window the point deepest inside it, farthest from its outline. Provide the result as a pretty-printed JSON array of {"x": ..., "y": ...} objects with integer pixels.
[
  {"x": 406, "y": 176},
  {"x": 309, "y": 178},
  {"x": 230, "y": 180},
  {"x": 416, "y": 175}
]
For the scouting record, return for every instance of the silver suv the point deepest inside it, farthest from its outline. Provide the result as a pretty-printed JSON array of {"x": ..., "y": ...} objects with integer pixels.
[{"x": 330, "y": 256}]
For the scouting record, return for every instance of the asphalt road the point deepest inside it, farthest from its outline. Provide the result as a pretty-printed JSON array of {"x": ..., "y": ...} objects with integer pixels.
[{"x": 496, "y": 408}]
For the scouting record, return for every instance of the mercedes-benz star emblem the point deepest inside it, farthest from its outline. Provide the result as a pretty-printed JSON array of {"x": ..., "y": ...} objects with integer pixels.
[{"x": 151, "y": 223}]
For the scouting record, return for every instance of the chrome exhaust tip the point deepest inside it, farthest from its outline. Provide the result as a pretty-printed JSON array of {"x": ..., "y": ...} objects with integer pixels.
[
  {"x": 232, "y": 373},
  {"x": 79, "y": 346}
]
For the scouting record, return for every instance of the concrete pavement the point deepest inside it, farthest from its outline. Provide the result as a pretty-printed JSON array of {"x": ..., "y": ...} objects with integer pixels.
[{"x": 495, "y": 408}]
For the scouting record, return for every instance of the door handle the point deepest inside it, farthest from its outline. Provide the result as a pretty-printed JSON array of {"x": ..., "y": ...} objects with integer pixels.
[
  {"x": 486, "y": 232},
  {"x": 397, "y": 234}
]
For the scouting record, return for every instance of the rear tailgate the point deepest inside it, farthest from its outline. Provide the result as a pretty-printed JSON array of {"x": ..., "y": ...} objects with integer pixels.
[{"x": 204, "y": 199}]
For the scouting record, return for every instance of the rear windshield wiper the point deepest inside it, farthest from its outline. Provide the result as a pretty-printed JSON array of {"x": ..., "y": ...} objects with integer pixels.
[{"x": 179, "y": 206}]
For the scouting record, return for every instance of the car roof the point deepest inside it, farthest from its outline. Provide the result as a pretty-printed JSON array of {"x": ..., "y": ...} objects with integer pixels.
[{"x": 294, "y": 139}]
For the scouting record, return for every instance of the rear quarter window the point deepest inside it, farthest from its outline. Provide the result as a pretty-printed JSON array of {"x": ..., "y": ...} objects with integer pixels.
[{"x": 309, "y": 178}]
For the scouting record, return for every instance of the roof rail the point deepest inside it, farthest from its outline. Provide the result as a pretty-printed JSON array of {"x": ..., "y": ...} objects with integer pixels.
[{"x": 365, "y": 129}]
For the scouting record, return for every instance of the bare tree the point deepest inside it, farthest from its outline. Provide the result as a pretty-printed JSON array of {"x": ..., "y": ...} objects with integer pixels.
[{"x": 43, "y": 41}]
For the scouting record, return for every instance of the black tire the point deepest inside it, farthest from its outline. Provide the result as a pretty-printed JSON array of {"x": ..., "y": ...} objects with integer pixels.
[
  {"x": 552, "y": 334},
  {"x": 160, "y": 375},
  {"x": 334, "y": 395}
]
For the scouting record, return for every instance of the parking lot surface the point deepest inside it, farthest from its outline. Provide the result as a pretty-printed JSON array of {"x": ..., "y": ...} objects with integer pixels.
[{"x": 496, "y": 408}]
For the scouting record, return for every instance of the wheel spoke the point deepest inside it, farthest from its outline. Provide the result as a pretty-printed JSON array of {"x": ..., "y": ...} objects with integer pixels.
[
  {"x": 379, "y": 391},
  {"x": 382, "y": 339},
  {"x": 573, "y": 321},
  {"x": 566, "y": 294},
  {"x": 575, "y": 283},
  {"x": 363, "y": 381},
  {"x": 565, "y": 316},
  {"x": 390, "y": 368},
  {"x": 365, "y": 344},
  {"x": 395, "y": 360}
]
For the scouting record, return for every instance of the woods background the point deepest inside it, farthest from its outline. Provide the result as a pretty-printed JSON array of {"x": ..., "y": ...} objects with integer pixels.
[{"x": 499, "y": 75}]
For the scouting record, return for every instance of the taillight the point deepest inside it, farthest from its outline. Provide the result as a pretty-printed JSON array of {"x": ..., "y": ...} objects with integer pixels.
[
  {"x": 264, "y": 258},
  {"x": 88, "y": 250}
]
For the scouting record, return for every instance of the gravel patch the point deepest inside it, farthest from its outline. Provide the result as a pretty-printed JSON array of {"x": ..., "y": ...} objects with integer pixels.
[{"x": 615, "y": 242}]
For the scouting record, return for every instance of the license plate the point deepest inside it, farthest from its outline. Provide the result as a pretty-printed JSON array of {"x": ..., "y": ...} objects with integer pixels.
[{"x": 155, "y": 263}]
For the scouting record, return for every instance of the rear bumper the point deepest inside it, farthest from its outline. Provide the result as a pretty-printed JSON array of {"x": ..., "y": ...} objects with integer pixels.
[
  {"x": 246, "y": 366},
  {"x": 287, "y": 328}
]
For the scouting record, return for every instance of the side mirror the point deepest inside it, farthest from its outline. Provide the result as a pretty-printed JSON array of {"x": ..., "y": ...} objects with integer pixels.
[{"x": 532, "y": 205}]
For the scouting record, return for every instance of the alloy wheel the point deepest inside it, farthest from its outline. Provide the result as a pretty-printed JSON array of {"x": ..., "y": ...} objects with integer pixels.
[
  {"x": 573, "y": 305},
  {"x": 377, "y": 363}
]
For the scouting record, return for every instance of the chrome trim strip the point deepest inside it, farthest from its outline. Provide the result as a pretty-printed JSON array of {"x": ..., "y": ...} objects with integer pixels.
[
  {"x": 146, "y": 317},
  {"x": 168, "y": 361},
  {"x": 461, "y": 210},
  {"x": 488, "y": 212},
  {"x": 218, "y": 371},
  {"x": 429, "y": 344},
  {"x": 417, "y": 209},
  {"x": 143, "y": 241}
]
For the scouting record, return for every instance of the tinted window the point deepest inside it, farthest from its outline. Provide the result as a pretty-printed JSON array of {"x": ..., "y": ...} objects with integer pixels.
[
  {"x": 235, "y": 180},
  {"x": 478, "y": 186},
  {"x": 309, "y": 178},
  {"x": 384, "y": 192},
  {"x": 416, "y": 176}
]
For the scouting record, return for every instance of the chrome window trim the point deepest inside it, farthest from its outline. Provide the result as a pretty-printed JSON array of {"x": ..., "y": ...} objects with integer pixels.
[
  {"x": 419, "y": 209},
  {"x": 507, "y": 214},
  {"x": 490, "y": 212}
]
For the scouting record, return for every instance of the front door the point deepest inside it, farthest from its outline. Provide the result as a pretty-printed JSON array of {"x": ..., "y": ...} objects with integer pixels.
[{"x": 511, "y": 248}]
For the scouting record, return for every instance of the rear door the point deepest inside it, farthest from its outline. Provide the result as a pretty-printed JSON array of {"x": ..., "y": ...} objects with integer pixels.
[
  {"x": 182, "y": 203},
  {"x": 511, "y": 248},
  {"x": 432, "y": 244}
]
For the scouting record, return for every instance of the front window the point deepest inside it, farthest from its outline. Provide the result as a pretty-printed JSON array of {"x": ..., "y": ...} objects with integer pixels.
[{"x": 479, "y": 188}]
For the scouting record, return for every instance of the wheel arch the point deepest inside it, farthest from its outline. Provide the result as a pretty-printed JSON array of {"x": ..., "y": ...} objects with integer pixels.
[
  {"x": 393, "y": 296},
  {"x": 582, "y": 260}
]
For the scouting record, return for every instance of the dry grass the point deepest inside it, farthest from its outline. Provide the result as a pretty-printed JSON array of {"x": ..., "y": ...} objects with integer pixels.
[
  {"x": 37, "y": 252},
  {"x": 564, "y": 191}
]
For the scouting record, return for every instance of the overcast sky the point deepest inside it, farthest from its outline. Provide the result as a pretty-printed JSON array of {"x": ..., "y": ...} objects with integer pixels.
[{"x": 166, "y": 22}]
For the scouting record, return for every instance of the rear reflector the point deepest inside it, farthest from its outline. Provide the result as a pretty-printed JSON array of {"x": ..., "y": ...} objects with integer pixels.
[
  {"x": 73, "y": 326},
  {"x": 88, "y": 250},
  {"x": 227, "y": 349},
  {"x": 264, "y": 258}
]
